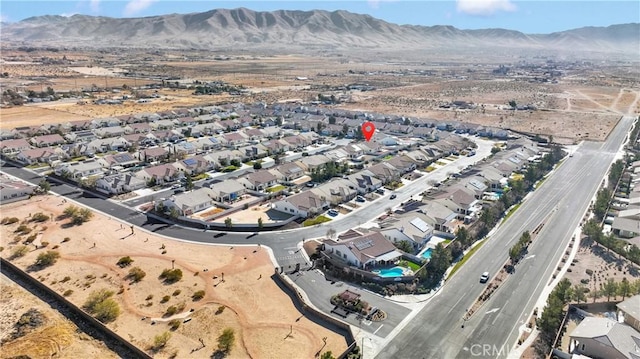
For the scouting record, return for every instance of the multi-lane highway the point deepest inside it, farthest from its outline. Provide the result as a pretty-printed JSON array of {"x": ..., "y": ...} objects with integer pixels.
[{"x": 437, "y": 331}]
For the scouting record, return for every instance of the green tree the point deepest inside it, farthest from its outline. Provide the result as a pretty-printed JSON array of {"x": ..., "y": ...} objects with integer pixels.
[
  {"x": 440, "y": 261},
  {"x": 404, "y": 246},
  {"x": 228, "y": 222},
  {"x": 136, "y": 274},
  {"x": 624, "y": 288},
  {"x": 102, "y": 306},
  {"x": 226, "y": 340},
  {"x": 513, "y": 104},
  {"x": 327, "y": 355},
  {"x": 44, "y": 185},
  {"x": 609, "y": 289},
  {"x": 463, "y": 236},
  {"x": 579, "y": 293},
  {"x": 188, "y": 184},
  {"x": 260, "y": 223},
  {"x": 257, "y": 165}
]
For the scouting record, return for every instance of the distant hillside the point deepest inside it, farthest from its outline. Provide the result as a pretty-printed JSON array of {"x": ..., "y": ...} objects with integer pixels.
[{"x": 243, "y": 28}]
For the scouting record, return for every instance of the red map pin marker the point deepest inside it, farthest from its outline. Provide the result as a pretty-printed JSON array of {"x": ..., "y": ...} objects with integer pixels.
[{"x": 368, "y": 128}]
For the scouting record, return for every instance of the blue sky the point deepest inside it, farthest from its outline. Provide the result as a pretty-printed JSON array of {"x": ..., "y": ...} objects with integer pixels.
[{"x": 533, "y": 16}]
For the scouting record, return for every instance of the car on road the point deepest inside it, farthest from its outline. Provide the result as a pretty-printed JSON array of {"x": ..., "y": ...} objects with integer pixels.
[
  {"x": 393, "y": 196},
  {"x": 380, "y": 191},
  {"x": 332, "y": 212},
  {"x": 484, "y": 277},
  {"x": 218, "y": 235}
]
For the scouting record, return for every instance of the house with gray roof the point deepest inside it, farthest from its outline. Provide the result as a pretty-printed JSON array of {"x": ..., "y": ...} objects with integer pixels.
[
  {"x": 385, "y": 172},
  {"x": 338, "y": 191},
  {"x": 311, "y": 163},
  {"x": 259, "y": 180},
  {"x": 630, "y": 309},
  {"x": 439, "y": 216},
  {"x": 12, "y": 190},
  {"x": 160, "y": 173},
  {"x": 403, "y": 163},
  {"x": 364, "y": 252},
  {"x": 365, "y": 181},
  {"x": 80, "y": 170},
  {"x": 47, "y": 140},
  {"x": 119, "y": 183},
  {"x": 304, "y": 204},
  {"x": 605, "y": 338},
  {"x": 227, "y": 190},
  {"x": 191, "y": 202},
  {"x": 412, "y": 227}
]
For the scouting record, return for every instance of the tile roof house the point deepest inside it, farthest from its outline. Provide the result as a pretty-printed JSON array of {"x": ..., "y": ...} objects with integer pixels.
[
  {"x": 123, "y": 159},
  {"x": 9, "y": 147},
  {"x": 403, "y": 163},
  {"x": 80, "y": 170},
  {"x": 365, "y": 181},
  {"x": 161, "y": 173},
  {"x": 191, "y": 202},
  {"x": 289, "y": 172},
  {"x": 630, "y": 308},
  {"x": 227, "y": 190},
  {"x": 12, "y": 190},
  {"x": 364, "y": 252},
  {"x": 259, "y": 180},
  {"x": 412, "y": 227},
  {"x": 153, "y": 154},
  {"x": 47, "y": 140},
  {"x": 385, "y": 172},
  {"x": 119, "y": 183},
  {"x": 338, "y": 190},
  {"x": 605, "y": 338},
  {"x": 38, "y": 155},
  {"x": 303, "y": 204}
]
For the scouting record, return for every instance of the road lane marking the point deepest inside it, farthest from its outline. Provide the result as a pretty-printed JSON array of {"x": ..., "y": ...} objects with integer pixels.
[
  {"x": 378, "y": 329},
  {"x": 455, "y": 305},
  {"x": 492, "y": 310}
]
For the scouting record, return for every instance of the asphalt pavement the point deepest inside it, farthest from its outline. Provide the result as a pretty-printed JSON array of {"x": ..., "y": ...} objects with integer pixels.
[{"x": 439, "y": 331}]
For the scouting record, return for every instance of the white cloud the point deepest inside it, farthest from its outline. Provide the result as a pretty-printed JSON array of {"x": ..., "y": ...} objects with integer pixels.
[
  {"x": 375, "y": 4},
  {"x": 94, "y": 5},
  {"x": 484, "y": 7},
  {"x": 68, "y": 14},
  {"x": 135, "y": 6},
  {"x": 4, "y": 18}
]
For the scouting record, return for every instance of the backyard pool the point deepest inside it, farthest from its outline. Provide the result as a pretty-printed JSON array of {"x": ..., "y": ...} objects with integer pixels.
[
  {"x": 390, "y": 272},
  {"x": 427, "y": 254}
]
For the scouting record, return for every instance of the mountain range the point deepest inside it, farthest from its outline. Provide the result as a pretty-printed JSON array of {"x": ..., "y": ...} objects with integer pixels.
[{"x": 241, "y": 28}]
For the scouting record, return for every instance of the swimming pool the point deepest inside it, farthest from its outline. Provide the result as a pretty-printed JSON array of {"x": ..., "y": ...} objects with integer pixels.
[
  {"x": 390, "y": 272},
  {"x": 427, "y": 254}
]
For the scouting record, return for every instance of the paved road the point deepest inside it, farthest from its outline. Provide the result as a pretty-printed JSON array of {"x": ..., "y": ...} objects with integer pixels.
[{"x": 437, "y": 331}]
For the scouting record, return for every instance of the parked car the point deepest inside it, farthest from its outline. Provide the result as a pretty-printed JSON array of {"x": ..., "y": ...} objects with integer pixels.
[
  {"x": 484, "y": 277},
  {"x": 380, "y": 191},
  {"x": 393, "y": 196},
  {"x": 332, "y": 212},
  {"x": 360, "y": 199}
]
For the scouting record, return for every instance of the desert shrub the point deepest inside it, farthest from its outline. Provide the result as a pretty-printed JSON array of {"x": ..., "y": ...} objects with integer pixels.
[
  {"x": 46, "y": 259},
  {"x": 149, "y": 297},
  {"x": 55, "y": 247},
  {"x": 31, "y": 238},
  {"x": 160, "y": 341},
  {"x": 165, "y": 299},
  {"x": 65, "y": 279},
  {"x": 171, "y": 310},
  {"x": 66, "y": 239},
  {"x": 19, "y": 251},
  {"x": 102, "y": 306},
  {"x": 70, "y": 211},
  {"x": 589, "y": 272},
  {"x": 174, "y": 324},
  {"x": 23, "y": 229},
  {"x": 67, "y": 292},
  {"x": 39, "y": 217},
  {"x": 136, "y": 274},
  {"x": 176, "y": 292},
  {"x": 9, "y": 220},
  {"x": 181, "y": 306},
  {"x": 124, "y": 261},
  {"x": 220, "y": 309},
  {"x": 198, "y": 295},
  {"x": 44, "y": 243},
  {"x": 1, "y": 248},
  {"x": 121, "y": 290},
  {"x": 171, "y": 275},
  {"x": 226, "y": 340}
]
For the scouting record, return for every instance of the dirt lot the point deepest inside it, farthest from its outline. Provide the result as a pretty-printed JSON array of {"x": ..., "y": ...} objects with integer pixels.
[
  {"x": 55, "y": 336},
  {"x": 583, "y": 104},
  {"x": 265, "y": 321}
]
